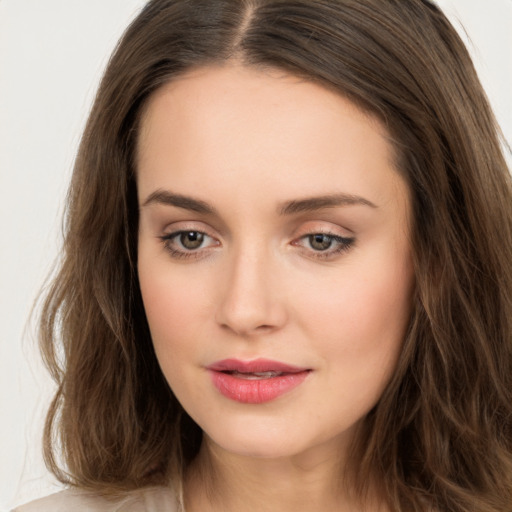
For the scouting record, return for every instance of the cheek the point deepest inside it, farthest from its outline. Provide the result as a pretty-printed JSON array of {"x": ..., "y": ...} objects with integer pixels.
[
  {"x": 174, "y": 308},
  {"x": 362, "y": 315},
  {"x": 174, "y": 311}
]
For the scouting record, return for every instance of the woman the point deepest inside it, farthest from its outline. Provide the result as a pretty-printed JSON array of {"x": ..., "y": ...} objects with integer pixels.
[{"x": 287, "y": 279}]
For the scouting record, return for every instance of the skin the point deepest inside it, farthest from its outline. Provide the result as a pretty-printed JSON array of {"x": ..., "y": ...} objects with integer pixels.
[{"x": 248, "y": 142}]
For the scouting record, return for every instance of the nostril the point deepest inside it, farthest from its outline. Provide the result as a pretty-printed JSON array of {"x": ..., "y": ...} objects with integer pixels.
[
  {"x": 240, "y": 330},
  {"x": 264, "y": 327}
]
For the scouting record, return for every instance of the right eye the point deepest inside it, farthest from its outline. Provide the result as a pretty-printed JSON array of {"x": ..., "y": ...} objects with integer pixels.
[{"x": 187, "y": 243}]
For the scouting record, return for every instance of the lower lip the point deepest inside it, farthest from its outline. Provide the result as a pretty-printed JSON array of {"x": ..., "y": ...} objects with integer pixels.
[{"x": 256, "y": 391}]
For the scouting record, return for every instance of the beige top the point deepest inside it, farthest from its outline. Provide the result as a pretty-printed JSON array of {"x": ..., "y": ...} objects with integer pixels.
[{"x": 155, "y": 499}]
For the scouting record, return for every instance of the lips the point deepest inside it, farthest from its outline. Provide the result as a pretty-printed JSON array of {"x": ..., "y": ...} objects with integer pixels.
[{"x": 257, "y": 381}]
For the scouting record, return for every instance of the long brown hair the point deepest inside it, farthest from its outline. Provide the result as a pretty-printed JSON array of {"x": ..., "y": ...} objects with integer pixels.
[{"x": 441, "y": 435}]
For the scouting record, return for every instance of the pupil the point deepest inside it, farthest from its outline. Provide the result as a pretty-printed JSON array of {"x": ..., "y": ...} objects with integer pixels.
[
  {"x": 320, "y": 242},
  {"x": 191, "y": 240}
]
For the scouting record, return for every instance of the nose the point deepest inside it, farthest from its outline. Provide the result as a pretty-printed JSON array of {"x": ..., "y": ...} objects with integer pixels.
[{"x": 251, "y": 299}]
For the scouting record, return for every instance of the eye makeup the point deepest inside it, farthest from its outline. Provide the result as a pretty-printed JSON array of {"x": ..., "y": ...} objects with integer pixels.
[{"x": 195, "y": 244}]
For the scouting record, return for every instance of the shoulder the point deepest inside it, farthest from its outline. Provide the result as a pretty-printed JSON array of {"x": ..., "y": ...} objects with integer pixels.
[{"x": 154, "y": 499}]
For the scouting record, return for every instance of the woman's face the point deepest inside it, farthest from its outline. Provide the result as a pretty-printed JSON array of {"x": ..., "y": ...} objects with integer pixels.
[{"x": 274, "y": 257}]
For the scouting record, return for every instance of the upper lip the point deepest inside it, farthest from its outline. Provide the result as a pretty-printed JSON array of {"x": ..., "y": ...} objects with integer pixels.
[{"x": 254, "y": 366}]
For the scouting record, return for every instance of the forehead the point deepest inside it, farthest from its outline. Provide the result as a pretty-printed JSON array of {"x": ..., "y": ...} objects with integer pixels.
[{"x": 230, "y": 124}]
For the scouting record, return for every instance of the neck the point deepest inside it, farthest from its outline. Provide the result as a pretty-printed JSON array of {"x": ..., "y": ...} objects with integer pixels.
[{"x": 312, "y": 481}]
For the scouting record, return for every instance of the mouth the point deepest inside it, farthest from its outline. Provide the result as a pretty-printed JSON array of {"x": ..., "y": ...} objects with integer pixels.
[
  {"x": 254, "y": 375},
  {"x": 255, "y": 382}
]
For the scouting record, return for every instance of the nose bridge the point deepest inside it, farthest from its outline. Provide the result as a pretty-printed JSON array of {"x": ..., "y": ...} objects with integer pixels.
[{"x": 250, "y": 300}]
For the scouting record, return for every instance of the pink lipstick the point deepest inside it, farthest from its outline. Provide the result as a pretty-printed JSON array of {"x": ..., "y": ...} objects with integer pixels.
[{"x": 257, "y": 381}]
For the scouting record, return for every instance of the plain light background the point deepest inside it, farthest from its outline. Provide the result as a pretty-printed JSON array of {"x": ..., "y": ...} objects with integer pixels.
[{"x": 52, "y": 53}]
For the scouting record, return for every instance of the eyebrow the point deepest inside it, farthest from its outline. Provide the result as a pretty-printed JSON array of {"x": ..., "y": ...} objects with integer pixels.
[
  {"x": 188, "y": 203},
  {"x": 318, "y": 203},
  {"x": 289, "y": 208}
]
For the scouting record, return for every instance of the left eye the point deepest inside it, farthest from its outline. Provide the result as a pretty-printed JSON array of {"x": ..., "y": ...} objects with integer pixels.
[
  {"x": 323, "y": 243},
  {"x": 320, "y": 242}
]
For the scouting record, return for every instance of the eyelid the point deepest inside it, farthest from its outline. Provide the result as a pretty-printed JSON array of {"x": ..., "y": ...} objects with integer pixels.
[{"x": 323, "y": 227}]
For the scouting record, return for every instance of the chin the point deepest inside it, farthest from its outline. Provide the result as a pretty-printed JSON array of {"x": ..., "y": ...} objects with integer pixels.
[
  {"x": 256, "y": 439},
  {"x": 269, "y": 439},
  {"x": 267, "y": 448}
]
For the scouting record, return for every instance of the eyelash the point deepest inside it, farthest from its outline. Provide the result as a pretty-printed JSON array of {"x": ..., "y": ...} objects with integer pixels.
[
  {"x": 184, "y": 253},
  {"x": 343, "y": 245}
]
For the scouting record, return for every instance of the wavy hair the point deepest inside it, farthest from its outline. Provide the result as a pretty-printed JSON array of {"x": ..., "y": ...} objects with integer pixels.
[{"x": 441, "y": 435}]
